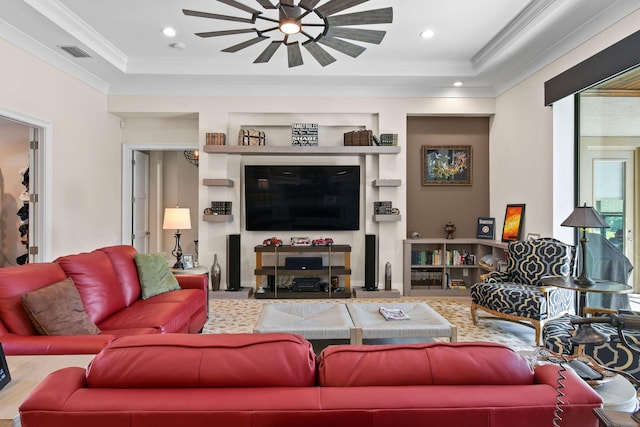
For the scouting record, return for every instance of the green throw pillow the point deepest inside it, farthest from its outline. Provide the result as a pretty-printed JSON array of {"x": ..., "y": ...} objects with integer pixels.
[{"x": 155, "y": 276}]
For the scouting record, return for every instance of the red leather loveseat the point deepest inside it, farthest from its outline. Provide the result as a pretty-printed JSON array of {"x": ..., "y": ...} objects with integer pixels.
[
  {"x": 109, "y": 287},
  {"x": 260, "y": 380}
]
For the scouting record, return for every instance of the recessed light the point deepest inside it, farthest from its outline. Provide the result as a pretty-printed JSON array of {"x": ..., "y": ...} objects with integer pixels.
[
  {"x": 427, "y": 34},
  {"x": 178, "y": 46},
  {"x": 457, "y": 84},
  {"x": 169, "y": 32}
]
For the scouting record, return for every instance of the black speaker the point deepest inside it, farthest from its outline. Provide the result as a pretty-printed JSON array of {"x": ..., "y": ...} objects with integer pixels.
[
  {"x": 233, "y": 262},
  {"x": 370, "y": 257}
]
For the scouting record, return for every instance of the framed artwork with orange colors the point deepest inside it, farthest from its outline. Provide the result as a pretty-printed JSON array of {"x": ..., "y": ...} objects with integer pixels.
[{"x": 513, "y": 221}]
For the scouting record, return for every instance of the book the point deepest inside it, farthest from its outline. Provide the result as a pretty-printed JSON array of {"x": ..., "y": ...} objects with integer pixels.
[{"x": 393, "y": 313}]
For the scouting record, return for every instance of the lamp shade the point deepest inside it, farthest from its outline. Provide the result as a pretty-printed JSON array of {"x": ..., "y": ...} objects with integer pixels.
[
  {"x": 176, "y": 219},
  {"x": 585, "y": 217}
]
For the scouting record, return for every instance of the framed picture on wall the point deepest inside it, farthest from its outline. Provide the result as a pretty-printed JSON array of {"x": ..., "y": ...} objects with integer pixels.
[
  {"x": 446, "y": 165},
  {"x": 513, "y": 221}
]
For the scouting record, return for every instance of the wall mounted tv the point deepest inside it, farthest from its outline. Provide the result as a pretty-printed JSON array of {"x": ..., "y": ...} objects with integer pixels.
[{"x": 305, "y": 198}]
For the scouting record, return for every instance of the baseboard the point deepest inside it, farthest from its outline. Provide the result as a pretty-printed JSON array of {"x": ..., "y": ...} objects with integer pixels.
[
  {"x": 361, "y": 292},
  {"x": 243, "y": 293}
]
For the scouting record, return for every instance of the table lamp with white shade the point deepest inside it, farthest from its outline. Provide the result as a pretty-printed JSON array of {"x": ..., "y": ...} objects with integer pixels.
[{"x": 177, "y": 219}]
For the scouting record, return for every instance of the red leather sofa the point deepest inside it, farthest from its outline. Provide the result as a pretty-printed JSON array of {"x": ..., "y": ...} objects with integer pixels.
[
  {"x": 276, "y": 380},
  {"x": 108, "y": 284}
]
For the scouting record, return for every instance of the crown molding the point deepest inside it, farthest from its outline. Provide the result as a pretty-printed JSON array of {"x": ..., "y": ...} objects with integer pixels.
[
  {"x": 69, "y": 22},
  {"x": 38, "y": 50},
  {"x": 510, "y": 33}
]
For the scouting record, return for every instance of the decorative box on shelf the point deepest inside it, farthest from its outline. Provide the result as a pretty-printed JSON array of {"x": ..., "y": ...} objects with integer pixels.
[
  {"x": 382, "y": 208},
  {"x": 251, "y": 137},
  {"x": 389, "y": 139},
  {"x": 219, "y": 208},
  {"x": 216, "y": 138},
  {"x": 358, "y": 137},
  {"x": 304, "y": 134}
]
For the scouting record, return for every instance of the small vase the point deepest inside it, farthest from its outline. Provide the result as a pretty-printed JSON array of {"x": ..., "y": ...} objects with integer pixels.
[
  {"x": 387, "y": 276},
  {"x": 216, "y": 273}
]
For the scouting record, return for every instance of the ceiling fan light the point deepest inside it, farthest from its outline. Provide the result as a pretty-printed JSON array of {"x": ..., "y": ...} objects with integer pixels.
[{"x": 289, "y": 26}]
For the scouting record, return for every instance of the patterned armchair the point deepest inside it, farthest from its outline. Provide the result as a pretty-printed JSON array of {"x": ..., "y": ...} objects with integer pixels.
[
  {"x": 613, "y": 354},
  {"x": 518, "y": 295}
]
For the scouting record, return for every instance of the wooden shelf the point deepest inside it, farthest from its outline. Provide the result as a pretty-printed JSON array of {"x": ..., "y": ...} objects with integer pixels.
[
  {"x": 217, "y": 218},
  {"x": 387, "y": 182},
  {"x": 222, "y": 182},
  {"x": 438, "y": 275},
  {"x": 271, "y": 272},
  {"x": 289, "y": 248},
  {"x": 387, "y": 218},
  {"x": 324, "y": 271},
  {"x": 270, "y": 150}
]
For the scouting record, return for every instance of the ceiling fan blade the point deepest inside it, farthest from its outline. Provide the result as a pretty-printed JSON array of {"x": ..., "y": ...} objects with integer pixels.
[
  {"x": 377, "y": 16},
  {"x": 335, "y": 6},
  {"x": 225, "y": 32},
  {"x": 287, "y": 3},
  {"x": 322, "y": 56},
  {"x": 217, "y": 16},
  {"x": 238, "y": 5},
  {"x": 242, "y": 45},
  {"x": 353, "y": 50},
  {"x": 367, "y": 36},
  {"x": 266, "y": 4},
  {"x": 294, "y": 55},
  {"x": 266, "y": 54},
  {"x": 308, "y": 4}
]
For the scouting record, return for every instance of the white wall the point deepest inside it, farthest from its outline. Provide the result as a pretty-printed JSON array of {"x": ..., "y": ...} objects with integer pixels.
[
  {"x": 521, "y": 141},
  {"x": 85, "y": 140}
]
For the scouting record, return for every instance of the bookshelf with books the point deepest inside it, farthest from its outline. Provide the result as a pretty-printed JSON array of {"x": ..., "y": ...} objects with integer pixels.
[{"x": 447, "y": 266}]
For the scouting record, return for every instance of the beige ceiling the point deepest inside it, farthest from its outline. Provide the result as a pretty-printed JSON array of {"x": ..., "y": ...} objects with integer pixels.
[{"x": 489, "y": 45}]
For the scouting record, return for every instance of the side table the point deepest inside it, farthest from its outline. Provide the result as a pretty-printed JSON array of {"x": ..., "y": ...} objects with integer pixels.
[
  {"x": 195, "y": 270},
  {"x": 609, "y": 418},
  {"x": 602, "y": 286},
  {"x": 618, "y": 395}
]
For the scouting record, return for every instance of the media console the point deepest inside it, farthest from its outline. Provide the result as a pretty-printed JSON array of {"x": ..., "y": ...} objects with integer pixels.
[{"x": 276, "y": 279}]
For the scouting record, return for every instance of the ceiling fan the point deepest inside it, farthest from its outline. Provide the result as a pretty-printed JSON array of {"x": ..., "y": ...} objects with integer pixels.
[{"x": 304, "y": 24}]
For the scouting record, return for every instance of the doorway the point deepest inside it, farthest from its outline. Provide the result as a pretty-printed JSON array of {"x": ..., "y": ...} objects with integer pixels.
[
  {"x": 160, "y": 177},
  {"x": 24, "y": 189}
]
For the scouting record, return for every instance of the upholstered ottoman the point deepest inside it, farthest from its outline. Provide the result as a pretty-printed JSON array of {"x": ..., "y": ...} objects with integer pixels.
[{"x": 613, "y": 354}]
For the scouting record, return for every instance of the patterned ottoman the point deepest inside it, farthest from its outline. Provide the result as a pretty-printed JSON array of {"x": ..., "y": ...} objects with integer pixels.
[{"x": 614, "y": 354}]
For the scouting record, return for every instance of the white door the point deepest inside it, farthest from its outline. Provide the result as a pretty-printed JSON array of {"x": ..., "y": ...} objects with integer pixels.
[
  {"x": 608, "y": 185},
  {"x": 140, "y": 202}
]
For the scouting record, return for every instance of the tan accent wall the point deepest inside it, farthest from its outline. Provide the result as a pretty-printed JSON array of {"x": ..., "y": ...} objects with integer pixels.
[{"x": 429, "y": 208}]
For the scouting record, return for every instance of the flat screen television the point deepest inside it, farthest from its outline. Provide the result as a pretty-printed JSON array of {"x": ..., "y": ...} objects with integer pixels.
[{"x": 304, "y": 198}]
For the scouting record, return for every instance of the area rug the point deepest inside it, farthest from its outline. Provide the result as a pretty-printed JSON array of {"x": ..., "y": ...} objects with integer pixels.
[{"x": 241, "y": 316}]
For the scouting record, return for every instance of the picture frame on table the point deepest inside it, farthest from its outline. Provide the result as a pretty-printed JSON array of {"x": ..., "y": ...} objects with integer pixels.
[
  {"x": 187, "y": 261},
  {"x": 533, "y": 236},
  {"x": 486, "y": 228},
  {"x": 447, "y": 165},
  {"x": 513, "y": 223}
]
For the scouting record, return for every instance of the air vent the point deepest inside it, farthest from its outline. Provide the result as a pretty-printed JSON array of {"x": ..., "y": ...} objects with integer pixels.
[{"x": 75, "y": 51}]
